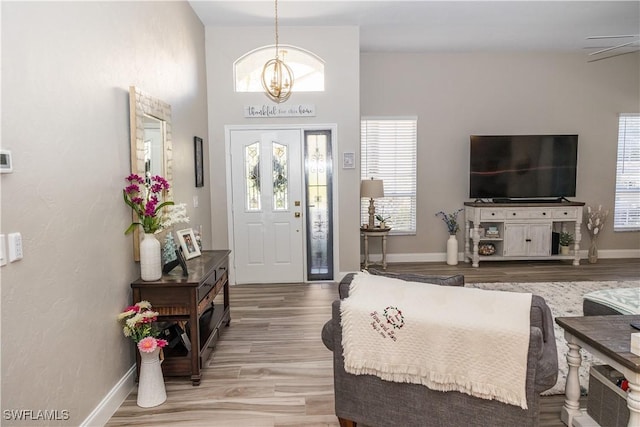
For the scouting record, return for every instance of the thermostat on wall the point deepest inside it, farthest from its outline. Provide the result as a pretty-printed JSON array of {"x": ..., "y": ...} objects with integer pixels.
[{"x": 6, "y": 162}]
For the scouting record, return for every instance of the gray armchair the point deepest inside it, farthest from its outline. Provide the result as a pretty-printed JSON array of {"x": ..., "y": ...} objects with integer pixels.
[{"x": 374, "y": 402}]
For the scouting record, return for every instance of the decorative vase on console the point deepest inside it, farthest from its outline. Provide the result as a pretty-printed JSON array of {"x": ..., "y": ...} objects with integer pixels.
[
  {"x": 143, "y": 196},
  {"x": 451, "y": 220},
  {"x": 150, "y": 258}
]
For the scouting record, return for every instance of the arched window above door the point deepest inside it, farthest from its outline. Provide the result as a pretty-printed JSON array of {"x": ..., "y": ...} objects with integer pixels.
[{"x": 308, "y": 69}]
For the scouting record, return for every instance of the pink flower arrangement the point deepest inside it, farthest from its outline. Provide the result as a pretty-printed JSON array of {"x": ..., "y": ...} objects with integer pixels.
[
  {"x": 137, "y": 323},
  {"x": 143, "y": 197}
]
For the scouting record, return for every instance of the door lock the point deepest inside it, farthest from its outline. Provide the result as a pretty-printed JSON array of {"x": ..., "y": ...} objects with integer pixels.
[{"x": 297, "y": 214}]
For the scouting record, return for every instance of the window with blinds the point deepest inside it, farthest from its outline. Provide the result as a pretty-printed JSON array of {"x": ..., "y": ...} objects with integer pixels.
[
  {"x": 627, "y": 205},
  {"x": 388, "y": 152}
]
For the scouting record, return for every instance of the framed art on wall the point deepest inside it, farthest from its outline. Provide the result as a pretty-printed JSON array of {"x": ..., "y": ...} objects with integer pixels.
[
  {"x": 187, "y": 240},
  {"x": 198, "y": 160}
]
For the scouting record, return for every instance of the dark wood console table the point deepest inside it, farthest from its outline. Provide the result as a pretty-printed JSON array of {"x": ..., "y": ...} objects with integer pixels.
[
  {"x": 609, "y": 339},
  {"x": 191, "y": 298}
]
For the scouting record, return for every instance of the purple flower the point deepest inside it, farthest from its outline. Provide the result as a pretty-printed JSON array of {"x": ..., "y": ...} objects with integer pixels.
[
  {"x": 161, "y": 181},
  {"x": 135, "y": 178},
  {"x": 142, "y": 197},
  {"x": 133, "y": 188}
]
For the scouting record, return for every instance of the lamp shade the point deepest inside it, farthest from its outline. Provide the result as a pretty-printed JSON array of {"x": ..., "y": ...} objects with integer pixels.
[{"x": 371, "y": 188}]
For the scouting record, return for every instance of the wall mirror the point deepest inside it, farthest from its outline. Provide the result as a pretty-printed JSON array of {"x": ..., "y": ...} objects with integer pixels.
[{"x": 151, "y": 150}]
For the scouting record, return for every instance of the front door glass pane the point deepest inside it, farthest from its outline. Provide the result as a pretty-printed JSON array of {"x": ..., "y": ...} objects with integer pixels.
[
  {"x": 280, "y": 177},
  {"x": 319, "y": 205},
  {"x": 252, "y": 176}
]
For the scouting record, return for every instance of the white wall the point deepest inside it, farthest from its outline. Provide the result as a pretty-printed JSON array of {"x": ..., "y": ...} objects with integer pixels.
[
  {"x": 457, "y": 95},
  {"x": 339, "y": 47},
  {"x": 66, "y": 71}
]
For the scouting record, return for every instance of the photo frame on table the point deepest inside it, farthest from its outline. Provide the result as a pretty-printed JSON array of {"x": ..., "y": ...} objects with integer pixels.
[
  {"x": 198, "y": 151},
  {"x": 187, "y": 239}
]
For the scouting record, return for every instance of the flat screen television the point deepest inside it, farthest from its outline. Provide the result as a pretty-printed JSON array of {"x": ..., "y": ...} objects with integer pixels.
[{"x": 523, "y": 166}]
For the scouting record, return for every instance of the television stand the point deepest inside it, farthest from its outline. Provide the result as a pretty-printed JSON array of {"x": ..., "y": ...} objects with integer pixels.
[
  {"x": 520, "y": 230},
  {"x": 508, "y": 200}
]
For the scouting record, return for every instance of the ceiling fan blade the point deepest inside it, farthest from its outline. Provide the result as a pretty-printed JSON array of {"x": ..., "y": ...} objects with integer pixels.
[
  {"x": 612, "y": 37},
  {"x": 610, "y": 56},
  {"x": 613, "y": 47}
]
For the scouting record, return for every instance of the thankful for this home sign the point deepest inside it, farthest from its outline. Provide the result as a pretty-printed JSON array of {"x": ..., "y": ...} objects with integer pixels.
[{"x": 270, "y": 110}]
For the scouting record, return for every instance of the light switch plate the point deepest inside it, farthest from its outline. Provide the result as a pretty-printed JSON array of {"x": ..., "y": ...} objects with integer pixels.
[
  {"x": 3, "y": 250},
  {"x": 15, "y": 247}
]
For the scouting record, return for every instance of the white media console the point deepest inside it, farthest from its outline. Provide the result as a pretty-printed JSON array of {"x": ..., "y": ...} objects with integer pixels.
[{"x": 519, "y": 231}]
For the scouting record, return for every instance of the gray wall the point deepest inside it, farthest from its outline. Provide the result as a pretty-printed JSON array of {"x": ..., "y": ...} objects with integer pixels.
[
  {"x": 457, "y": 95},
  {"x": 66, "y": 71}
]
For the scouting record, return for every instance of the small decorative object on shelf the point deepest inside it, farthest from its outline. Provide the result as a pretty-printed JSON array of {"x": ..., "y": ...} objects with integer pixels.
[
  {"x": 565, "y": 240},
  {"x": 486, "y": 249},
  {"x": 595, "y": 221},
  {"x": 142, "y": 195},
  {"x": 138, "y": 324},
  {"x": 383, "y": 220},
  {"x": 492, "y": 232},
  {"x": 453, "y": 227},
  {"x": 176, "y": 214}
]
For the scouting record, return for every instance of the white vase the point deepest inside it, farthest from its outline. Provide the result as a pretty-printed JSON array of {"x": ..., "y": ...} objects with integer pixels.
[
  {"x": 452, "y": 250},
  {"x": 151, "y": 391},
  {"x": 150, "y": 258}
]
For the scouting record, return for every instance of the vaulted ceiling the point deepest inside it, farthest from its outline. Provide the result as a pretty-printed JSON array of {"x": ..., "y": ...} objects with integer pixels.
[{"x": 451, "y": 26}]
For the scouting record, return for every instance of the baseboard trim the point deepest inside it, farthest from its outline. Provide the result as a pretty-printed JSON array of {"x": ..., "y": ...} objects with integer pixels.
[
  {"x": 112, "y": 401},
  {"x": 442, "y": 256}
]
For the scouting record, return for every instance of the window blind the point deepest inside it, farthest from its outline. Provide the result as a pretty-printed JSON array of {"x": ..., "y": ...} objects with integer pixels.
[
  {"x": 627, "y": 204},
  {"x": 388, "y": 152}
]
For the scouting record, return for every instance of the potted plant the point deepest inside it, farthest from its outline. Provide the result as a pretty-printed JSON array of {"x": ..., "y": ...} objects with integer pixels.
[
  {"x": 565, "y": 240},
  {"x": 382, "y": 220}
]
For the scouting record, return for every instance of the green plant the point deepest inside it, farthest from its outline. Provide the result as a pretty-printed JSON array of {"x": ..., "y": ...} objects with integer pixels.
[
  {"x": 566, "y": 238},
  {"x": 381, "y": 218}
]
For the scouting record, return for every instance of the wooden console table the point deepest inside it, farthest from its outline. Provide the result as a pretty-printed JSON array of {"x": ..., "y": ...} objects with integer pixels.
[
  {"x": 524, "y": 230},
  {"x": 191, "y": 298},
  {"x": 375, "y": 232},
  {"x": 609, "y": 339}
]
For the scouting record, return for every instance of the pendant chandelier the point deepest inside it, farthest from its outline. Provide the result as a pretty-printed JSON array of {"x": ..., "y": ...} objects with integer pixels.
[{"x": 277, "y": 77}]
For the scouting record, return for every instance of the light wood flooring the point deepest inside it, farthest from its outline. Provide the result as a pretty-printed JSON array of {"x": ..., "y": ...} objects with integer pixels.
[{"x": 270, "y": 367}]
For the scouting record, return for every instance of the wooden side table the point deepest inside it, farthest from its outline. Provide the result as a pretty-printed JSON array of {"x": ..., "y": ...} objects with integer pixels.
[
  {"x": 375, "y": 232},
  {"x": 608, "y": 338}
]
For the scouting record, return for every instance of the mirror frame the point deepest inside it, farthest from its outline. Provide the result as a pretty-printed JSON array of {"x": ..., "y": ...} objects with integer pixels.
[{"x": 141, "y": 104}]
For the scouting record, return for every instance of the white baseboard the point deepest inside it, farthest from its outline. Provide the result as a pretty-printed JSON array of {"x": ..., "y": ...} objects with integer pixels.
[
  {"x": 112, "y": 401},
  {"x": 442, "y": 256}
]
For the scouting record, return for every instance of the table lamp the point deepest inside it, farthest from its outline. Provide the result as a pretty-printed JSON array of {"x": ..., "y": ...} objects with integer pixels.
[{"x": 371, "y": 189}]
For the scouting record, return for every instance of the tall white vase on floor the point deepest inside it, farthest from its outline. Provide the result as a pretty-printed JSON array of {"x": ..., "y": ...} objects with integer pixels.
[
  {"x": 151, "y": 390},
  {"x": 452, "y": 250},
  {"x": 150, "y": 258}
]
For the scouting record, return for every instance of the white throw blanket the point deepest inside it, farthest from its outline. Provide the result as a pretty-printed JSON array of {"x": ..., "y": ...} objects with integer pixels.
[{"x": 446, "y": 338}]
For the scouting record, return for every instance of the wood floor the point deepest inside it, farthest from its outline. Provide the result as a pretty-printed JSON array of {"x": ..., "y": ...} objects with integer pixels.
[{"x": 270, "y": 367}]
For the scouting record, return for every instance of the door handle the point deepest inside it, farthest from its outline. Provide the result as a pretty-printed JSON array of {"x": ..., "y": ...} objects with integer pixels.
[{"x": 297, "y": 214}]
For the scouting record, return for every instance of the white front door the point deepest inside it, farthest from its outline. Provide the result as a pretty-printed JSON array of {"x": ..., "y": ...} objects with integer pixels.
[{"x": 266, "y": 181}]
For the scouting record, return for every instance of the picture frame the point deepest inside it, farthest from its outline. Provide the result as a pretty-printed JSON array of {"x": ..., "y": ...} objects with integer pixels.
[
  {"x": 198, "y": 150},
  {"x": 187, "y": 239},
  {"x": 348, "y": 160}
]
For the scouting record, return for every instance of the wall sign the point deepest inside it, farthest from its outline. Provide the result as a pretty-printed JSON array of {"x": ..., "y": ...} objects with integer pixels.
[{"x": 286, "y": 110}]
